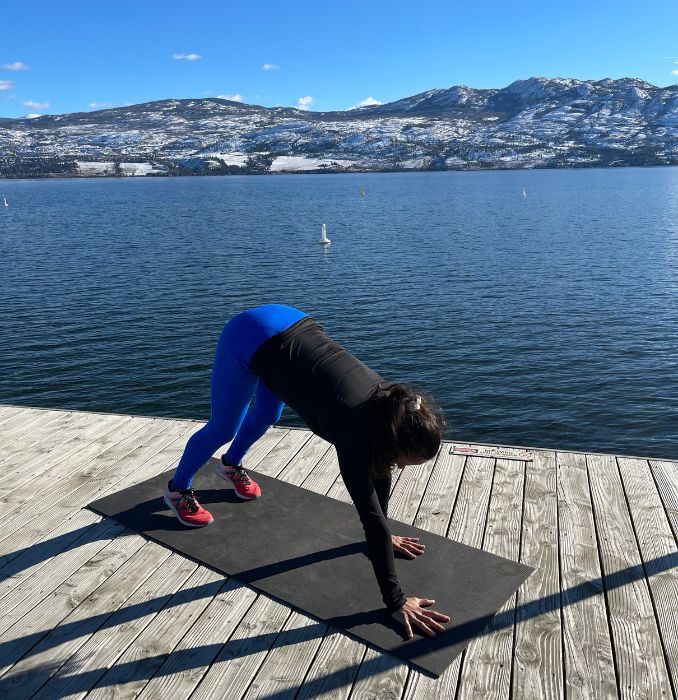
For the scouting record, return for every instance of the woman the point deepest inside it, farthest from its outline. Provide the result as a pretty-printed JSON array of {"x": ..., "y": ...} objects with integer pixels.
[{"x": 280, "y": 355}]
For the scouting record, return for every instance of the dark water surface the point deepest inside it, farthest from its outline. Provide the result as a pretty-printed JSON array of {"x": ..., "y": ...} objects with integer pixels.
[{"x": 549, "y": 320}]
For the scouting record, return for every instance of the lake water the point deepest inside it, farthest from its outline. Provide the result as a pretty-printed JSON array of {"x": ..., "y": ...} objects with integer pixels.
[{"x": 549, "y": 320}]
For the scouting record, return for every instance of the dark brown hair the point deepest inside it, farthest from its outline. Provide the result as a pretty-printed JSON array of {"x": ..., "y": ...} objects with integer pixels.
[{"x": 399, "y": 431}]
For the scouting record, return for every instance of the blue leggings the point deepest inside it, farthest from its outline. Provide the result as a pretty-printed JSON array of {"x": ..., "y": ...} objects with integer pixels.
[{"x": 233, "y": 386}]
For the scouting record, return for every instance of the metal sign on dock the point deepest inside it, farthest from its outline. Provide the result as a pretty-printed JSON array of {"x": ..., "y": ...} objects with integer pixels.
[{"x": 491, "y": 451}]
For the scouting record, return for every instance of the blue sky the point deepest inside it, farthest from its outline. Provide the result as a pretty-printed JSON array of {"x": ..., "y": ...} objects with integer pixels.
[{"x": 69, "y": 56}]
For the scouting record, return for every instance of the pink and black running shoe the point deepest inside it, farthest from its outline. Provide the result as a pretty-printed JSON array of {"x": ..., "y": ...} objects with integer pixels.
[
  {"x": 245, "y": 487},
  {"x": 184, "y": 504}
]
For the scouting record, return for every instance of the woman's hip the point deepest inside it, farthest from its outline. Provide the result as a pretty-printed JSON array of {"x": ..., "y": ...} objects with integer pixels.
[{"x": 247, "y": 330}]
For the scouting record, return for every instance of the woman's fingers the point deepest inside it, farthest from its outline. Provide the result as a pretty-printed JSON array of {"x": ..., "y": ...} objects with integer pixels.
[
  {"x": 409, "y": 546},
  {"x": 410, "y": 555},
  {"x": 436, "y": 615},
  {"x": 408, "y": 627},
  {"x": 428, "y": 625},
  {"x": 431, "y": 623},
  {"x": 425, "y": 602},
  {"x": 414, "y": 547},
  {"x": 426, "y": 620}
]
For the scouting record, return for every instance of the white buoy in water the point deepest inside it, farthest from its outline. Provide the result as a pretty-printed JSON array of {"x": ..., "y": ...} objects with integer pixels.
[{"x": 324, "y": 240}]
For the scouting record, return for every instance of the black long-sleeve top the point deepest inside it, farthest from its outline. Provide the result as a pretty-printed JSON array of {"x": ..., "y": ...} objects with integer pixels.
[{"x": 333, "y": 391}]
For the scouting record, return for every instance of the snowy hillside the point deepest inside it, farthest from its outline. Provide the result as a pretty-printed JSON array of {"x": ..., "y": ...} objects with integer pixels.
[{"x": 537, "y": 122}]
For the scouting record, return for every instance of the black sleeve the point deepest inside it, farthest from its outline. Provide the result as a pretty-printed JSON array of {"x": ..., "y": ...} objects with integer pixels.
[
  {"x": 356, "y": 475},
  {"x": 383, "y": 489}
]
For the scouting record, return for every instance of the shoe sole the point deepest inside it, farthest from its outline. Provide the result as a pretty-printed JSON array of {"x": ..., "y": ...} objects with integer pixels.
[
  {"x": 225, "y": 478},
  {"x": 170, "y": 505}
]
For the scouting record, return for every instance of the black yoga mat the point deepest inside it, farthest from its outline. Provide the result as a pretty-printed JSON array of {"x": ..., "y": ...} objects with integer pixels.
[{"x": 309, "y": 552}]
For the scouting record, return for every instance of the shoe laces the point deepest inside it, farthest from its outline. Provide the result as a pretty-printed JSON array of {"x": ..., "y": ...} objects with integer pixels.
[
  {"x": 188, "y": 495},
  {"x": 241, "y": 474}
]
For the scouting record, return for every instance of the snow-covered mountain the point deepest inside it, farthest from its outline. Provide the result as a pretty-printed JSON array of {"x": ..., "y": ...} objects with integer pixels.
[{"x": 537, "y": 122}]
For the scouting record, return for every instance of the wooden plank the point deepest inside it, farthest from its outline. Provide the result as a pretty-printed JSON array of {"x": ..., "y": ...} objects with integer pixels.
[
  {"x": 28, "y": 632},
  {"x": 12, "y": 457},
  {"x": 381, "y": 676},
  {"x": 146, "y": 654},
  {"x": 538, "y": 660},
  {"x": 32, "y": 559},
  {"x": 29, "y": 468},
  {"x": 241, "y": 657},
  {"x": 637, "y": 646},
  {"x": 46, "y": 433},
  {"x": 409, "y": 491},
  {"x": 666, "y": 477},
  {"x": 287, "y": 444},
  {"x": 140, "y": 470},
  {"x": 589, "y": 667},
  {"x": 324, "y": 473},
  {"x": 466, "y": 526},
  {"x": 40, "y": 669},
  {"x": 131, "y": 461},
  {"x": 658, "y": 551},
  {"x": 435, "y": 510},
  {"x": 144, "y": 595},
  {"x": 18, "y": 426},
  {"x": 78, "y": 489},
  {"x": 31, "y": 591},
  {"x": 486, "y": 671},
  {"x": 11, "y": 411},
  {"x": 285, "y": 666},
  {"x": 29, "y": 558},
  {"x": 7, "y": 411},
  {"x": 297, "y": 469},
  {"x": 67, "y": 499},
  {"x": 339, "y": 492},
  {"x": 59, "y": 463},
  {"x": 35, "y": 532},
  {"x": 334, "y": 669},
  {"x": 185, "y": 667},
  {"x": 271, "y": 452}
]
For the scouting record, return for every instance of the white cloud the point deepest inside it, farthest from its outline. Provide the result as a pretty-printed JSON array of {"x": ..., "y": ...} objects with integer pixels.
[
  {"x": 99, "y": 105},
  {"x": 32, "y": 116},
  {"x": 674, "y": 72},
  {"x": 368, "y": 102},
  {"x": 270, "y": 66},
  {"x": 35, "y": 105},
  {"x": 6, "y": 85},
  {"x": 17, "y": 65},
  {"x": 304, "y": 102},
  {"x": 233, "y": 98},
  {"x": 186, "y": 56}
]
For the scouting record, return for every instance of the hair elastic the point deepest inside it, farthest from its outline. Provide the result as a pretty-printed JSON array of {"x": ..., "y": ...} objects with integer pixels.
[{"x": 415, "y": 404}]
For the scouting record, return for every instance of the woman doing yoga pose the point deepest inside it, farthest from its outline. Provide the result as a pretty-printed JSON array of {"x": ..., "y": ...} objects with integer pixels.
[{"x": 280, "y": 355}]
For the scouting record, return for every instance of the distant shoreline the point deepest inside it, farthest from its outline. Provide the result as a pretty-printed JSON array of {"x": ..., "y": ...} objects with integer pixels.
[{"x": 329, "y": 171}]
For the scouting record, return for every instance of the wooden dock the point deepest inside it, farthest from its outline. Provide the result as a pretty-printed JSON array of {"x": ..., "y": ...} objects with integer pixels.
[{"x": 91, "y": 609}]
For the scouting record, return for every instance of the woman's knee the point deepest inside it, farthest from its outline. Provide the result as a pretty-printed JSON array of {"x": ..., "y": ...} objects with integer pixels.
[
  {"x": 219, "y": 434},
  {"x": 267, "y": 415}
]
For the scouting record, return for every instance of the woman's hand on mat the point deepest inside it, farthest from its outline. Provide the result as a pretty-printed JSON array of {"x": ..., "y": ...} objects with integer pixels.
[
  {"x": 414, "y": 612},
  {"x": 407, "y": 546}
]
